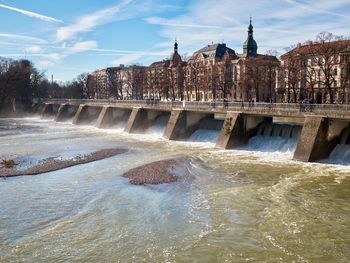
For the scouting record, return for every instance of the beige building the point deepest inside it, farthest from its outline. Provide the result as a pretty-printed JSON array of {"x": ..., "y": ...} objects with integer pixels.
[
  {"x": 318, "y": 72},
  {"x": 213, "y": 73},
  {"x": 217, "y": 72}
]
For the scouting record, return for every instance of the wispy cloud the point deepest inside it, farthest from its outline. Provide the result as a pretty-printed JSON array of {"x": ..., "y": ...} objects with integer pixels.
[
  {"x": 23, "y": 38},
  {"x": 32, "y": 14},
  {"x": 166, "y": 22},
  {"x": 277, "y": 24},
  {"x": 317, "y": 7},
  {"x": 82, "y": 46},
  {"x": 90, "y": 21},
  {"x": 34, "y": 49},
  {"x": 135, "y": 57}
]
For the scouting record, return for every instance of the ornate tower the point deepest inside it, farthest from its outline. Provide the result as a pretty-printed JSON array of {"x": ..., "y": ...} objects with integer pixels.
[
  {"x": 175, "y": 47},
  {"x": 250, "y": 48},
  {"x": 175, "y": 58}
]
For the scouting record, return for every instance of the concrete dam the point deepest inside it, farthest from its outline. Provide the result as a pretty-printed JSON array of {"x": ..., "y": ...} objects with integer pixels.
[{"x": 314, "y": 131}]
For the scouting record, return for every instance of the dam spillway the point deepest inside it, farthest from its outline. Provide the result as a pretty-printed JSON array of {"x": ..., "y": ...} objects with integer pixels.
[{"x": 228, "y": 127}]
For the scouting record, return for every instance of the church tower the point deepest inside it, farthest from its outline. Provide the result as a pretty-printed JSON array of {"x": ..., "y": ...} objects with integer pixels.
[
  {"x": 175, "y": 47},
  {"x": 175, "y": 58},
  {"x": 250, "y": 48}
]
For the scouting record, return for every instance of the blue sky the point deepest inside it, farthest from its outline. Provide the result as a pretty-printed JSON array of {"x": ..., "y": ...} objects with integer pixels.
[{"x": 68, "y": 37}]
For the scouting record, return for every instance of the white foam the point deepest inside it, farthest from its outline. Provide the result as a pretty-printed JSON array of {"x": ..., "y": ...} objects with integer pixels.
[{"x": 272, "y": 144}]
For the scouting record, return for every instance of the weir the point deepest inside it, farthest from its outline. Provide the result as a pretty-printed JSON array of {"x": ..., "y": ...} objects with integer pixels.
[
  {"x": 110, "y": 116},
  {"x": 275, "y": 137},
  {"x": 49, "y": 110},
  {"x": 141, "y": 119},
  {"x": 319, "y": 134},
  {"x": 86, "y": 114},
  {"x": 65, "y": 112},
  {"x": 238, "y": 128},
  {"x": 182, "y": 124}
]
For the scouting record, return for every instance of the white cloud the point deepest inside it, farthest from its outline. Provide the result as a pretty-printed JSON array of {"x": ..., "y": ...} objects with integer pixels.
[
  {"x": 137, "y": 55},
  {"x": 318, "y": 7},
  {"x": 277, "y": 24},
  {"x": 52, "y": 56},
  {"x": 23, "y": 38},
  {"x": 167, "y": 22},
  {"x": 88, "y": 22},
  {"x": 34, "y": 49},
  {"x": 32, "y": 14},
  {"x": 82, "y": 46},
  {"x": 49, "y": 59}
]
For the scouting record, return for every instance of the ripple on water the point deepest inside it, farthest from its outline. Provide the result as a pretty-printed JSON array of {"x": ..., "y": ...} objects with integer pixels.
[{"x": 239, "y": 206}]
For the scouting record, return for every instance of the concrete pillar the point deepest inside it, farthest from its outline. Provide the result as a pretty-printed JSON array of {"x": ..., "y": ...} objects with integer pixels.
[
  {"x": 313, "y": 143},
  {"x": 104, "y": 117},
  {"x": 135, "y": 119},
  {"x": 77, "y": 114},
  {"x": 61, "y": 112},
  {"x": 238, "y": 128},
  {"x": 231, "y": 127},
  {"x": 177, "y": 122}
]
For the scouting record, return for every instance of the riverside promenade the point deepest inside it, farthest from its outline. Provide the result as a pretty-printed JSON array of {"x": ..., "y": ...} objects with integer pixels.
[{"x": 324, "y": 125}]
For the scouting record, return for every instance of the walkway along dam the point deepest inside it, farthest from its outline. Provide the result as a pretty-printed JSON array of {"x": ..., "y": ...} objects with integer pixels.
[{"x": 318, "y": 128}]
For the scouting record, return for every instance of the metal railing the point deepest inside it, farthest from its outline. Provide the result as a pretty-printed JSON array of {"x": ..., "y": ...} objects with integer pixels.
[{"x": 211, "y": 106}]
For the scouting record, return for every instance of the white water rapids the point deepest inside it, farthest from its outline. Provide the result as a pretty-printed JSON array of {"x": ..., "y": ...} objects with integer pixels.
[{"x": 247, "y": 205}]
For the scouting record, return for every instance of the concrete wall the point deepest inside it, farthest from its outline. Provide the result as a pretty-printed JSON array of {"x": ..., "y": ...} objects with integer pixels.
[
  {"x": 86, "y": 114},
  {"x": 183, "y": 123},
  {"x": 110, "y": 116},
  {"x": 66, "y": 112},
  {"x": 141, "y": 119},
  {"x": 49, "y": 110},
  {"x": 318, "y": 138}
]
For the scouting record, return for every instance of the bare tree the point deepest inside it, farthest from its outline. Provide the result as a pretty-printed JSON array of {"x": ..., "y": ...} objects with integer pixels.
[{"x": 326, "y": 55}]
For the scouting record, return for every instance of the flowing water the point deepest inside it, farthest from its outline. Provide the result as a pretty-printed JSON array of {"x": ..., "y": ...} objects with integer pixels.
[{"x": 246, "y": 205}]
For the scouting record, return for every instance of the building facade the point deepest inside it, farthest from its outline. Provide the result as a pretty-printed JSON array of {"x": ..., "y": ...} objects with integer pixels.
[
  {"x": 317, "y": 72},
  {"x": 213, "y": 73}
]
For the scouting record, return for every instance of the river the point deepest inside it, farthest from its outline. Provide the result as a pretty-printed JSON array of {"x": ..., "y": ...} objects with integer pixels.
[{"x": 249, "y": 205}]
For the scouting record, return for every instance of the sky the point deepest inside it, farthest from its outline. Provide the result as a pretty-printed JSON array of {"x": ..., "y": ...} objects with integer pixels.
[{"x": 67, "y": 37}]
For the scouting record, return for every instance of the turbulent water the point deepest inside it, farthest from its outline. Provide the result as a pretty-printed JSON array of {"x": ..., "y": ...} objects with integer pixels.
[{"x": 249, "y": 205}]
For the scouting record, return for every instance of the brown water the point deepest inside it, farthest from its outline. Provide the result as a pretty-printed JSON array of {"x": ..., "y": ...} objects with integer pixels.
[{"x": 240, "y": 206}]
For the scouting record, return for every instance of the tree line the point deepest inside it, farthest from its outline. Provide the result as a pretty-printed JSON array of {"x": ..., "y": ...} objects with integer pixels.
[{"x": 21, "y": 81}]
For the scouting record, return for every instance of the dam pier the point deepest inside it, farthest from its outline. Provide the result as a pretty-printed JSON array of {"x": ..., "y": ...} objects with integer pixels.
[{"x": 317, "y": 128}]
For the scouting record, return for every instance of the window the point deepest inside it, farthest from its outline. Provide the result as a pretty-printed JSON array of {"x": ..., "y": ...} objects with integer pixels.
[
  {"x": 335, "y": 72},
  {"x": 335, "y": 83}
]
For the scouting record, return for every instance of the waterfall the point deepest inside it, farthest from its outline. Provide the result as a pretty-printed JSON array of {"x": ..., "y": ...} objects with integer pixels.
[
  {"x": 204, "y": 135},
  {"x": 158, "y": 127},
  {"x": 274, "y": 137},
  {"x": 208, "y": 131},
  {"x": 341, "y": 153},
  {"x": 120, "y": 125}
]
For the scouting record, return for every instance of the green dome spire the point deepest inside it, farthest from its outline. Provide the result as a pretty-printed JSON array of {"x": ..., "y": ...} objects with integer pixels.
[
  {"x": 250, "y": 27},
  {"x": 250, "y": 47}
]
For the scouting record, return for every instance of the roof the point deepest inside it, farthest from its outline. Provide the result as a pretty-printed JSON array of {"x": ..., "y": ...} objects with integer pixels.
[
  {"x": 163, "y": 63},
  {"x": 310, "y": 47},
  {"x": 259, "y": 58},
  {"x": 215, "y": 50}
]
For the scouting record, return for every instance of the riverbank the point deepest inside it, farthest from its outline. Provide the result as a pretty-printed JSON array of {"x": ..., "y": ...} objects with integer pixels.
[{"x": 53, "y": 164}]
